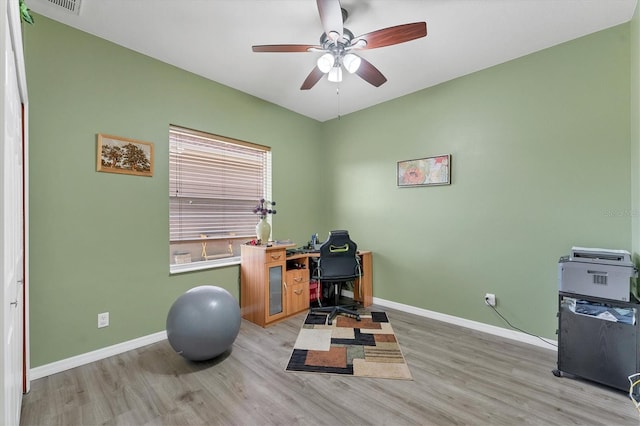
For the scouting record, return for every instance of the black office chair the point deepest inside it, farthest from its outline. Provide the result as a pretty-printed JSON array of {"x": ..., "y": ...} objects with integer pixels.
[{"x": 338, "y": 263}]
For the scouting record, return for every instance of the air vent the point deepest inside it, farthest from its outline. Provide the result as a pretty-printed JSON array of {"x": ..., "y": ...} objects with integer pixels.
[
  {"x": 600, "y": 279},
  {"x": 72, "y": 6}
]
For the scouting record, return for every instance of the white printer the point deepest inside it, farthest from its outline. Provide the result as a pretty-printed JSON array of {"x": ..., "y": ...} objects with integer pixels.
[{"x": 597, "y": 272}]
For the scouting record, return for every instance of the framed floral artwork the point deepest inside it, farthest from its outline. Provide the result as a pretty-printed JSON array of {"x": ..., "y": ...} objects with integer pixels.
[
  {"x": 426, "y": 171},
  {"x": 124, "y": 155}
]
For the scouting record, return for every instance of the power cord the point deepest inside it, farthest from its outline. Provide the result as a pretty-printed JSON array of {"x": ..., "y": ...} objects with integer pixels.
[{"x": 486, "y": 301}]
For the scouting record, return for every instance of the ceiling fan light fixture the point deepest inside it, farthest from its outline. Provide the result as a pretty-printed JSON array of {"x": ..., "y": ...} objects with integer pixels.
[
  {"x": 325, "y": 62},
  {"x": 335, "y": 75},
  {"x": 359, "y": 44},
  {"x": 351, "y": 62},
  {"x": 334, "y": 35}
]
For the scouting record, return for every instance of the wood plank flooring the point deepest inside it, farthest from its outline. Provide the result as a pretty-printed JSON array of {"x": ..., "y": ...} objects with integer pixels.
[{"x": 460, "y": 377}]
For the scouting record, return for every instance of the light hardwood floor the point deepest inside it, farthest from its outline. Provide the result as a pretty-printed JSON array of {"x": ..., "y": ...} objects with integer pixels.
[{"x": 460, "y": 377}]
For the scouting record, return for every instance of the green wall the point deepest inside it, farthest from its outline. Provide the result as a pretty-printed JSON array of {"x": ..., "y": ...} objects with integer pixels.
[
  {"x": 99, "y": 241},
  {"x": 540, "y": 149},
  {"x": 540, "y": 163}
]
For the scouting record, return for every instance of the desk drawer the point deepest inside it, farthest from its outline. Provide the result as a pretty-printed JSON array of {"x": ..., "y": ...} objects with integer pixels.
[
  {"x": 275, "y": 256},
  {"x": 297, "y": 297},
  {"x": 297, "y": 276}
]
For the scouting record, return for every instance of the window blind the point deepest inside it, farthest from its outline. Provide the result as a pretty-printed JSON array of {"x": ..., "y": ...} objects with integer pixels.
[{"x": 215, "y": 182}]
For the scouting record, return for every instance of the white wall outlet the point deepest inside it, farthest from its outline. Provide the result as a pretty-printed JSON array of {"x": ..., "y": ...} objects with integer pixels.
[
  {"x": 103, "y": 320},
  {"x": 490, "y": 299}
]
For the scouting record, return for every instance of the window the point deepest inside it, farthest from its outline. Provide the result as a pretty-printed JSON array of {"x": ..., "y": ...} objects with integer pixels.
[{"x": 214, "y": 185}]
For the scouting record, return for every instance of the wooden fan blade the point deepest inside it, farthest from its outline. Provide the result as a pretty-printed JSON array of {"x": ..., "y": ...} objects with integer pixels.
[
  {"x": 331, "y": 18},
  {"x": 312, "y": 79},
  {"x": 370, "y": 74},
  {"x": 393, "y": 35},
  {"x": 285, "y": 48}
]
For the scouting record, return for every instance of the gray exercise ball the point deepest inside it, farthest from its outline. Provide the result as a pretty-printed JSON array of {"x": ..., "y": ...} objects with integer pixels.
[{"x": 203, "y": 322}]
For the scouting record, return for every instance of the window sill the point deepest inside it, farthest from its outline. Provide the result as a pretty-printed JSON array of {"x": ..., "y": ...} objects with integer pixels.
[{"x": 199, "y": 266}]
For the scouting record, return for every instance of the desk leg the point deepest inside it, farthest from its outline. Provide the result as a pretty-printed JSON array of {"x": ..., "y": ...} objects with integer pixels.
[{"x": 363, "y": 287}]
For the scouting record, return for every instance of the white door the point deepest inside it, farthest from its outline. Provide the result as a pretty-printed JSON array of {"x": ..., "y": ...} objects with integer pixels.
[{"x": 11, "y": 217}]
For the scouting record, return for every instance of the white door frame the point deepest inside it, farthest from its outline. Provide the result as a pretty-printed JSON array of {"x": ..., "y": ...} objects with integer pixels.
[{"x": 12, "y": 37}]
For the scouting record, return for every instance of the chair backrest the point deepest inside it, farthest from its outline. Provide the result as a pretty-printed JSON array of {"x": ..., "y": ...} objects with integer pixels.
[{"x": 338, "y": 257}]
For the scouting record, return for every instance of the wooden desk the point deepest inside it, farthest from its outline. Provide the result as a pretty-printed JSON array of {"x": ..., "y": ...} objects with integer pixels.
[{"x": 274, "y": 286}]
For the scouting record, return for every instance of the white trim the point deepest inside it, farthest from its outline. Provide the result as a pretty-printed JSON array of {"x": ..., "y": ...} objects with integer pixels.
[
  {"x": 76, "y": 361},
  {"x": 97, "y": 355},
  {"x": 206, "y": 264},
  {"x": 462, "y": 322},
  {"x": 475, "y": 325}
]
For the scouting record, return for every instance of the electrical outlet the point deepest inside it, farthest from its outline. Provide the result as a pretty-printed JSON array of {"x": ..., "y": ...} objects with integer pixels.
[
  {"x": 490, "y": 299},
  {"x": 103, "y": 320}
]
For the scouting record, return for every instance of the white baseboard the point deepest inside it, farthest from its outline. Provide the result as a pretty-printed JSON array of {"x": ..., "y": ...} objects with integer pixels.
[
  {"x": 77, "y": 361},
  {"x": 475, "y": 325}
]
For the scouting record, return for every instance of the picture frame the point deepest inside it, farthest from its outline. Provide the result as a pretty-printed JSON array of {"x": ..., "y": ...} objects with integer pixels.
[
  {"x": 116, "y": 154},
  {"x": 427, "y": 171}
]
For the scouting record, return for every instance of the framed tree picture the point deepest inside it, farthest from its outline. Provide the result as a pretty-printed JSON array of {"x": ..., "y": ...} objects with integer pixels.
[
  {"x": 425, "y": 171},
  {"x": 123, "y": 155}
]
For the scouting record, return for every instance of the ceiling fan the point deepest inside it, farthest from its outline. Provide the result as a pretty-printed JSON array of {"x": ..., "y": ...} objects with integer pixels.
[{"x": 338, "y": 44}]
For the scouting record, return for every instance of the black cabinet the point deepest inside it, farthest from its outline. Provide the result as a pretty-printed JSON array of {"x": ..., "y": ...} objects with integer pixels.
[{"x": 595, "y": 348}]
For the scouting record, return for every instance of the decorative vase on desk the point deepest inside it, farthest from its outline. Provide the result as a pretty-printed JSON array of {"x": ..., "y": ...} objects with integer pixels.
[{"x": 263, "y": 230}]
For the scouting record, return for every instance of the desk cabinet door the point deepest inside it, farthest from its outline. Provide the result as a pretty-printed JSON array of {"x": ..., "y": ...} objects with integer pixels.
[{"x": 275, "y": 292}]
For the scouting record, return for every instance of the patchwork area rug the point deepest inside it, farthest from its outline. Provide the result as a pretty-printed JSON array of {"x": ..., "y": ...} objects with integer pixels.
[{"x": 365, "y": 348}]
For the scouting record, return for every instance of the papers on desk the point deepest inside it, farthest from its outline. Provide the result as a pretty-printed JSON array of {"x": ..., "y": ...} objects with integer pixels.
[{"x": 600, "y": 310}]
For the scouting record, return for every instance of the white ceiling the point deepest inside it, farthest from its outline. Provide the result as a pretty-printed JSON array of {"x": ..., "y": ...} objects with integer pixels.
[{"x": 213, "y": 38}]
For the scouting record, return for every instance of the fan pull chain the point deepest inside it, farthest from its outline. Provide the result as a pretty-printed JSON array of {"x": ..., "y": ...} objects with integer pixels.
[{"x": 338, "y": 95}]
